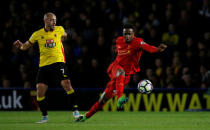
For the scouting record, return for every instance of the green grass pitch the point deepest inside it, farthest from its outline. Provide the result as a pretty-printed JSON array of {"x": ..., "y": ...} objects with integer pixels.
[{"x": 63, "y": 120}]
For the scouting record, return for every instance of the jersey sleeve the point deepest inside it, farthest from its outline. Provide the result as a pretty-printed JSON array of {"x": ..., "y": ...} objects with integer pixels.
[
  {"x": 62, "y": 31},
  {"x": 33, "y": 38},
  {"x": 117, "y": 44},
  {"x": 144, "y": 46}
]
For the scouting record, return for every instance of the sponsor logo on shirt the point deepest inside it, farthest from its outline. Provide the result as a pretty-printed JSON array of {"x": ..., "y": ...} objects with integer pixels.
[
  {"x": 50, "y": 43},
  {"x": 123, "y": 51}
]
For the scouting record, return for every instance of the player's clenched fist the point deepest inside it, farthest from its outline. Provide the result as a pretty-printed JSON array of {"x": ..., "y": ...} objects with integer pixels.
[
  {"x": 162, "y": 47},
  {"x": 17, "y": 44}
]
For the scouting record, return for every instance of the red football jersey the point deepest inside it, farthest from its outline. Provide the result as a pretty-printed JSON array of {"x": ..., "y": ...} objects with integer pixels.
[{"x": 129, "y": 54}]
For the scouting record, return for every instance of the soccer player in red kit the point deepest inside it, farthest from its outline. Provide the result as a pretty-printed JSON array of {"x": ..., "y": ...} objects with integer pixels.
[{"x": 129, "y": 50}]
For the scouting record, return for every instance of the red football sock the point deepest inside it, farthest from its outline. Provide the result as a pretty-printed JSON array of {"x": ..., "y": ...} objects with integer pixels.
[
  {"x": 120, "y": 85},
  {"x": 94, "y": 109}
]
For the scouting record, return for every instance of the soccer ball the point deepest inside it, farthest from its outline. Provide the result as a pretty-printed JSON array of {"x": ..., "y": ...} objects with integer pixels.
[{"x": 145, "y": 86}]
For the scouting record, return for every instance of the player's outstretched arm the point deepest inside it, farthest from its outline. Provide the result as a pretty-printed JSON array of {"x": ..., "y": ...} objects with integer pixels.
[
  {"x": 22, "y": 46},
  {"x": 162, "y": 47}
]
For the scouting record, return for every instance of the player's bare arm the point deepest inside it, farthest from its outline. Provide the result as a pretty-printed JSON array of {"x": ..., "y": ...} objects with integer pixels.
[
  {"x": 22, "y": 46},
  {"x": 162, "y": 47}
]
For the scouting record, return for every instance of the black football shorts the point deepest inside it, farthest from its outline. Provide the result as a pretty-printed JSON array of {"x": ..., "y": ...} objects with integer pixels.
[{"x": 53, "y": 74}]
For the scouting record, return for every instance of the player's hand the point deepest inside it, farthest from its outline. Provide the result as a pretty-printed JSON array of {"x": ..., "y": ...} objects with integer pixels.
[
  {"x": 17, "y": 44},
  {"x": 162, "y": 47}
]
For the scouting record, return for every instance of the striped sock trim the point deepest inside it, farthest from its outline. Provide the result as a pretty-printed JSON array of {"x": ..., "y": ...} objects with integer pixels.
[
  {"x": 70, "y": 91},
  {"x": 40, "y": 98},
  {"x": 75, "y": 106}
]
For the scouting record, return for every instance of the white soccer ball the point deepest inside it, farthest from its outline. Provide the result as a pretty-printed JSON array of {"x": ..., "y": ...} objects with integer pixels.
[{"x": 145, "y": 86}]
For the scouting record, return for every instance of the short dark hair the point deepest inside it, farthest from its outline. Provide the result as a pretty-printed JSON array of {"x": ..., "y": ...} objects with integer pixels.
[{"x": 128, "y": 26}]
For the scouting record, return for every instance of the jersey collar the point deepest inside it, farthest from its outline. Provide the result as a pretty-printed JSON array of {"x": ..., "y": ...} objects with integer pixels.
[{"x": 47, "y": 30}]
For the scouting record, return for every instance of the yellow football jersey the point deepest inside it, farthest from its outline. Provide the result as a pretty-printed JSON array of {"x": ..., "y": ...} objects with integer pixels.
[{"x": 50, "y": 45}]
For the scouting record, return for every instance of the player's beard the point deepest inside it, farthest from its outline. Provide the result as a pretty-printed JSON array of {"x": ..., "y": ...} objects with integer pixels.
[{"x": 52, "y": 28}]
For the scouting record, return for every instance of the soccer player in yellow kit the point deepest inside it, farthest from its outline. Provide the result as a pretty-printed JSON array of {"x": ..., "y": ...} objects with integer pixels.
[{"x": 52, "y": 69}]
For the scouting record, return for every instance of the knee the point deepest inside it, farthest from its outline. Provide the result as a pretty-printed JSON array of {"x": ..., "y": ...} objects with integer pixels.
[
  {"x": 41, "y": 89},
  {"x": 40, "y": 86},
  {"x": 65, "y": 83},
  {"x": 120, "y": 72}
]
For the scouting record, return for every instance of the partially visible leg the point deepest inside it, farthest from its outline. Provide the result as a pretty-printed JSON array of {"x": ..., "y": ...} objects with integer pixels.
[
  {"x": 72, "y": 96},
  {"x": 107, "y": 94},
  {"x": 41, "y": 90},
  {"x": 117, "y": 73},
  {"x": 98, "y": 105},
  {"x": 121, "y": 80}
]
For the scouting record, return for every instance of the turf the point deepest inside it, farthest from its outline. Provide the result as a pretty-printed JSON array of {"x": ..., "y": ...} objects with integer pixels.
[{"x": 63, "y": 120}]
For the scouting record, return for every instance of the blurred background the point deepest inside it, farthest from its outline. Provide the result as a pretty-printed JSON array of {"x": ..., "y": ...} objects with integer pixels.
[{"x": 93, "y": 25}]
